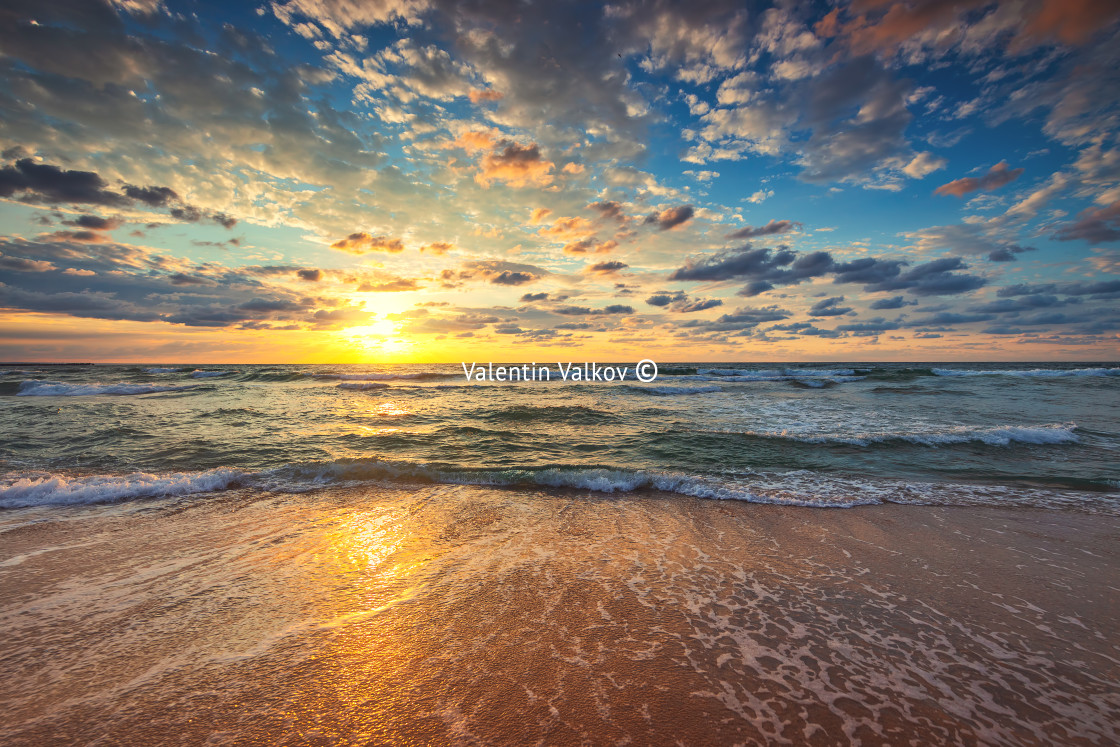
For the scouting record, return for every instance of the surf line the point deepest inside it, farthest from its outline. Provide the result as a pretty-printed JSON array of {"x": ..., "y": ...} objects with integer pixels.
[{"x": 533, "y": 372}]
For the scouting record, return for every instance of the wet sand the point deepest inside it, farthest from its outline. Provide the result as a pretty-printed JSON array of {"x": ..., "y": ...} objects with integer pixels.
[{"x": 468, "y": 615}]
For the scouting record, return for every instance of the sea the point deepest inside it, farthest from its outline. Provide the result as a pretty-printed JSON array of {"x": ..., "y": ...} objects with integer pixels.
[
  {"x": 1038, "y": 435},
  {"x": 758, "y": 554}
]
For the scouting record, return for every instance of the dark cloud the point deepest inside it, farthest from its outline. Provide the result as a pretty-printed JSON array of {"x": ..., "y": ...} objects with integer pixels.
[
  {"x": 734, "y": 264},
  {"x": 152, "y": 196},
  {"x": 507, "y": 277},
  {"x": 829, "y": 307},
  {"x": 869, "y": 270},
  {"x": 609, "y": 209},
  {"x": 936, "y": 278},
  {"x": 312, "y": 275},
  {"x": 895, "y": 302},
  {"x": 1095, "y": 225},
  {"x": 606, "y": 268},
  {"x": 671, "y": 217},
  {"x": 699, "y": 304},
  {"x": 770, "y": 229},
  {"x": 531, "y": 297},
  {"x": 679, "y": 302},
  {"x": 42, "y": 182},
  {"x": 93, "y": 223}
]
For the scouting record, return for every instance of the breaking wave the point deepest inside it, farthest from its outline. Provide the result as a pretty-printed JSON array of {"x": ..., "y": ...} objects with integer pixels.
[{"x": 61, "y": 389}]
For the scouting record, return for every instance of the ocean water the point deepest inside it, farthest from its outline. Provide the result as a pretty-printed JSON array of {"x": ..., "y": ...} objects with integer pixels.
[
  {"x": 1034, "y": 435},
  {"x": 731, "y": 554}
]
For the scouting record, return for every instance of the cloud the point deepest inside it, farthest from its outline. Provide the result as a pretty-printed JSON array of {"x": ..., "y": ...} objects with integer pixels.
[
  {"x": 998, "y": 176},
  {"x": 671, "y": 217},
  {"x": 531, "y": 297},
  {"x": 94, "y": 223},
  {"x": 311, "y": 275},
  {"x": 590, "y": 246},
  {"x": 396, "y": 285},
  {"x": 363, "y": 243},
  {"x": 895, "y": 302},
  {"x": 516, "y": 165},
  {"x": 479, "y": 96},
  {"x": 605, "y": 268},
  {"x": 19, "y": 264},
  {"x": 439, "y": 248},
  {"x": 935, "y": 278},
  {"x": 609, "y": 209},
  {"x": 508, "y": 277},
  {"x": 976, "y": 238},
  {"x": 829, "y": 307},
  {"x": 923, "y": 164},
  {"x": 772, "y": 228},
  {"x": 42, "y": 182},
  {"x": 1095, "y": 225},
  {"x": 921, "y": 28}
]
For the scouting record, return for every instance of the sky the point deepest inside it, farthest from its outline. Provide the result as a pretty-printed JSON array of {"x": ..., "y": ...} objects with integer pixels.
[{"x": 340, "y": 181}]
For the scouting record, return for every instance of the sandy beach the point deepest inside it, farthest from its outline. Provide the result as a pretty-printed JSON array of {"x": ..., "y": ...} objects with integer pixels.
[{"x": 468, "y": 615}]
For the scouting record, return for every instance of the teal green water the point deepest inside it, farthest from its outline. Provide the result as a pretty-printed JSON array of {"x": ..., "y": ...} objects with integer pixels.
[{"x": 1040, "y": 435}]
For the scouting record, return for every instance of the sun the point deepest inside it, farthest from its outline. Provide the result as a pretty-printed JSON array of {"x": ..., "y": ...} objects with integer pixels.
[{"x": 382, "y": 337}]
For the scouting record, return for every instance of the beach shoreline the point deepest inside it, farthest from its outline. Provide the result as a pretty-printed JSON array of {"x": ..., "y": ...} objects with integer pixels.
[{"x": 466, "y": 614}]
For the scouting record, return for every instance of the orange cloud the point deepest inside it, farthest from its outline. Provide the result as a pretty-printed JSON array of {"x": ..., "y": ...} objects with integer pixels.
[
  {"x": 885, "y": 25},
  {"x": 516, "y": 165},
  {"x": 590, "y": 246},
  {"x": 997, "y": 176},
  {"x": 437, "y": 247},
  {"x": 362, "y": 243},
  {"x": 569, "y": 228},
  {"x": 479, "y": 95},
  {"x": 474, "y": 140}
]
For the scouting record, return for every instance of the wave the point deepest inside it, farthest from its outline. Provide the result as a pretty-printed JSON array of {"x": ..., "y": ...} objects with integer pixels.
[
  {"x": 793, "y": 488},
  {"x": 1030, "y": 373},
  {"x": 200, "y": 374},
  {"x": 161, "y": 370},
  {"x": 806, "y": 377},
  {"x": 32, "y": 388},
  {"x": 60, "y": 490},
  {"x": 420, "y": 376},
  {"x": 671, "y": 390},
  {"x": 1003, "y": 435},
  {"x": 550, "y": 414},
  {"x": 362, "y": 386},
  {"x": 770, "y": 374}
]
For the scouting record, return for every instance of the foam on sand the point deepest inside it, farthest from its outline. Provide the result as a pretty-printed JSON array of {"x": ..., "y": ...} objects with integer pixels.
[{"x": 62, "y": 490}]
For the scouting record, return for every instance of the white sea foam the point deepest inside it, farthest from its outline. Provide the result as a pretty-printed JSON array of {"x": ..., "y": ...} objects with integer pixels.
[
  {"x": 362, "y": 385},
  {"x": 1031, "y": 373},
  {"x": 62, "y": 490},
  {"x": 161, "y": 370},
  {"x": 670, "y": 390},
  {"x": 1002, "y": 435},
  {"x": 200, "y": 374},
  {"x": 33, "y": 388}
]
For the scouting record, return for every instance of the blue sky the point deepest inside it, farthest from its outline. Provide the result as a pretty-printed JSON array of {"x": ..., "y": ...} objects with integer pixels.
[{"x": 327, "y": 180}]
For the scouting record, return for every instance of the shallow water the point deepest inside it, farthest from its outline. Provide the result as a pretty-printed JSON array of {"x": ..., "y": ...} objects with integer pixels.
[
  {"x": 1042, "y": 435},
  {"x": 467, "y": 614}
]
